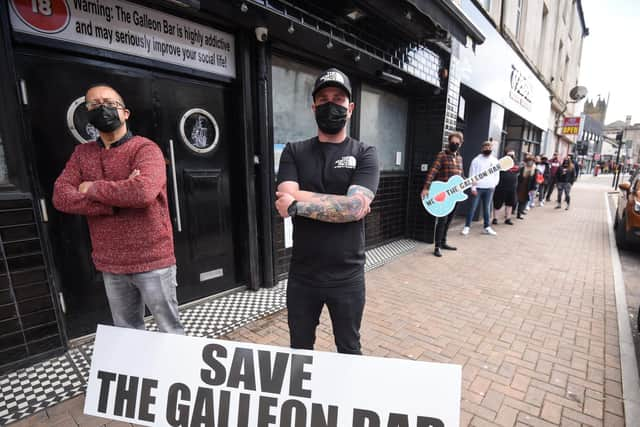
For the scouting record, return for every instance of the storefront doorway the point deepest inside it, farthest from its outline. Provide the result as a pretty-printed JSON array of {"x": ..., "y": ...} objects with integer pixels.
[{"x": 189, "y": 119}]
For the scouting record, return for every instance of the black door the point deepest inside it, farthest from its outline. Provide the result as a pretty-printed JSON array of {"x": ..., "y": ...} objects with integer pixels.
[
  {"x": 56, "y": 121},
  {"x": 194, "y": 133}
]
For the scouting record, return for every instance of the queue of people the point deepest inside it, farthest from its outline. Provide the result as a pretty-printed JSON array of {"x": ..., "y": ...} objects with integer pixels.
[{"x": 513, "y": 191}]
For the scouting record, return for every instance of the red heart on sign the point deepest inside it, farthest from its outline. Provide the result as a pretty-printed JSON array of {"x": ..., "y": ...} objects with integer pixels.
[{"x": 440, "y": 197}]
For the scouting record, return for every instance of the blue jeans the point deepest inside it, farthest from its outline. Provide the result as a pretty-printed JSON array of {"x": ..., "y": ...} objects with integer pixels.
[
  {"x": 128, "y": 294},
  {"x": 484, "y": 194}
]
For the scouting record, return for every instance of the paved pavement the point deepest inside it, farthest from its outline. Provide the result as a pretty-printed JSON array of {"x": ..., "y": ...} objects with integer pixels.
[{"x": 530, "y": 314}]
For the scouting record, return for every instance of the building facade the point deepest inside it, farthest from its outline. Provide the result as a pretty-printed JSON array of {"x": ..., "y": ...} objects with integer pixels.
[
  {"x": 548, "y": 36},
  {"x": 629, "y": 134},
  {"x": 220, "y": 86}
]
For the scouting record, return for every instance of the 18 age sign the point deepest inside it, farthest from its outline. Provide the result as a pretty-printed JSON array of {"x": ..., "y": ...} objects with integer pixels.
[{"x": 46, "y": 16}]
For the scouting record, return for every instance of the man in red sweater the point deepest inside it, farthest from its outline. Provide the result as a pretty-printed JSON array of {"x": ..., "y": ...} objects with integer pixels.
[{"x": 119, "y": 183}]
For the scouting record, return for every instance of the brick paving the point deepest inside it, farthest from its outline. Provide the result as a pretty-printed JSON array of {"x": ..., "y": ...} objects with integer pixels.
[{"x": 529, "y": 314}]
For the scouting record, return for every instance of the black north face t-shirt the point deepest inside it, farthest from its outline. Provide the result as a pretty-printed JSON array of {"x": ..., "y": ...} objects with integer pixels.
[{"x": 324, "y": 253}]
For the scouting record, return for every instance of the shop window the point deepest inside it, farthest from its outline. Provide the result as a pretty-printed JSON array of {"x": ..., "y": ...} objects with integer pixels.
[
  {"x": 293, "y": 120},
  {"x": 383, "y": 124}
]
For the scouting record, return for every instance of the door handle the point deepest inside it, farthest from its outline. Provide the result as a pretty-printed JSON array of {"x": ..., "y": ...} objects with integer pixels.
[{"x": 175, "y": 186}]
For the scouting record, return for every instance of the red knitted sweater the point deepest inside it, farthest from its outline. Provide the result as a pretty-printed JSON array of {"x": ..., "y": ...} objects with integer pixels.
[{"x": 128, "y": 218}]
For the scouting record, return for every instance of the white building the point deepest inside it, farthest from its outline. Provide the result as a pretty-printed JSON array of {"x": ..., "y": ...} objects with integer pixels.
[{"x": 547, "y": 37}]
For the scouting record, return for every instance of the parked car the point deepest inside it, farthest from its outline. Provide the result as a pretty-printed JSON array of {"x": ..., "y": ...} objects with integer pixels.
[{"x": 627, "y": 217}]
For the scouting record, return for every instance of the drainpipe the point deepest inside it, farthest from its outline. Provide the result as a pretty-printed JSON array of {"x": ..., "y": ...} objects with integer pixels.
[{"x": 267, "y": 190}]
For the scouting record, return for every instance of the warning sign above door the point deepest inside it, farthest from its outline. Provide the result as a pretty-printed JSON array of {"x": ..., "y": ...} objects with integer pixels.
[{"x": 128, "y": 28}]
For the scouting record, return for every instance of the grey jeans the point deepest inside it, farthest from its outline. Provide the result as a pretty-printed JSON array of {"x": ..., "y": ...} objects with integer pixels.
[
  {"x": 128, "y": 294},
  {"x": 566, "y": 188}
]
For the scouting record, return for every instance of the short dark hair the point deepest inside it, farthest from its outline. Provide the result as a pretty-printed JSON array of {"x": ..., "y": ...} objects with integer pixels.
[
  {"x": 456, "y": 133},
  {"x": 95, "y": 85}
]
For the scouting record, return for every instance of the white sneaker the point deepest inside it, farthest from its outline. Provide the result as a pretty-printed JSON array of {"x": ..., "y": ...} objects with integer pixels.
[
  {"x": 465, "y": 231},
  {"x": 489, "y": 231},
  {"x": 542, "y": 203}
]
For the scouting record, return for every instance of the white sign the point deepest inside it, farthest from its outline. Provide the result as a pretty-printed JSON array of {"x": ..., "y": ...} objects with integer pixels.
[
  {"x": 497, "y": 72},
  {"x": 150, "y": 378},
  {"x": 288, "y": 232},
  {"x": 128, "y": 28}
]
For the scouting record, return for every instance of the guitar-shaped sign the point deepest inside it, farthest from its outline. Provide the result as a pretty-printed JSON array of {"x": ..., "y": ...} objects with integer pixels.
[{"x": 443, "y": 196}]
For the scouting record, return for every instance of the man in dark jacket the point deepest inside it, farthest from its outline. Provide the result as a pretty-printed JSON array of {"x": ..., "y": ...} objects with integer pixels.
[
  {"x": 544, "y": 168},
  {"x": 565, "y": 177}
]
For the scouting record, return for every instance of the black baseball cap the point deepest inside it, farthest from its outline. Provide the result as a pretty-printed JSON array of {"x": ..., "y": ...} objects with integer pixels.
[{"x": 332, "y": 78}]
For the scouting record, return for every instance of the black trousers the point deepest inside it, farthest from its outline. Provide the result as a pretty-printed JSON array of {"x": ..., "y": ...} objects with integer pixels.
[
  {"x": 442, "y": 228},
  {"x": 551, "y": 185},
  {"x": 345, "y": 304}
]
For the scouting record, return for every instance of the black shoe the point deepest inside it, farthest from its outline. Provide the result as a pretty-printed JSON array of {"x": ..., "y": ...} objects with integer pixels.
[
  {"x": 520, "y": 216},
  {"x": 508, "y": 221},
  {"x": 448, "y": 247},
  {"x": 495, "y": 221},
  {"x": 437, "y": 252}
]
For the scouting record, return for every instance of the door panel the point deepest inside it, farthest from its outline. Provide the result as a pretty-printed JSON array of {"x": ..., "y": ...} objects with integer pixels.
[
  {"x": 157, "y": 102},
  {"x": 202, "y": 157}
]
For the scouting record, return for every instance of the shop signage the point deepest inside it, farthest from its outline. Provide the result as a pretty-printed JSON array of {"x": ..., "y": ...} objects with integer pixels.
[
  {"x": 520, "y": 88},
  {"x": 497, "y": 72},
  {"x": 570, "y": 125},
  {"x": 150, "y": 378},
  {"x": 127, "y": 28}
]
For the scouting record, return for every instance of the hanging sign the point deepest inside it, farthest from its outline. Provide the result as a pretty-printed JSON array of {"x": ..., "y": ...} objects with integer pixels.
[
  {"x": 570, "y": 125},
  {"x": 157, "y": 379},
  {"x": 127, "y": 28}
]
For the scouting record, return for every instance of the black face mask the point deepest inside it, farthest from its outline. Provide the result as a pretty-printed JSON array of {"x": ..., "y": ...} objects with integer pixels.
[
  {"x": 486, "y": 152},
  {"x": 331, "y": 118},
  {"x": 104, "y": 118},
  {"x": 453, "y": 146}
]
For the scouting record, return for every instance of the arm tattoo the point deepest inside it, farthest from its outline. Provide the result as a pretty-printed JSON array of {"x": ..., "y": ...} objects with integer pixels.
[{"x": 334, "y": 208}]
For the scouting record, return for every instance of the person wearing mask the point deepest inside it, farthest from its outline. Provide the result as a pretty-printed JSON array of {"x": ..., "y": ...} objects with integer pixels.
[
  {"x": 526, "y": 183},
  {"x": 447, "y": 164},
  {"x": 326, "y": 184},
  {"x": 119, "y": 183},
  {"x": 565, "y": 177},
  {"x": 576, "y": 165},
  {"x": 505, "y": 192},
  {"x": 554, "y": 164},
  {"x": 545, "y": 171},
  {"x": 482, "y": 190}
]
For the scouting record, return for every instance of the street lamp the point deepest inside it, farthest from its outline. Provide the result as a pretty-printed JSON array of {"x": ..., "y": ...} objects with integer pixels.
[{"x": 621, "y": 142}]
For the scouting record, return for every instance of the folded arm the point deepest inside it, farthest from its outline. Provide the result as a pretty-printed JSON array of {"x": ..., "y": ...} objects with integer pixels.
[
  {"x": 137, "y": 191},
  {"x": 67, "y": 198},
  {"x": 328, "y": 207}
]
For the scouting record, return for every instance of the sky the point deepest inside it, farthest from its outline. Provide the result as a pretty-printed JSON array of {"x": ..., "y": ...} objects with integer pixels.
[{"x": 610, "y": 56}]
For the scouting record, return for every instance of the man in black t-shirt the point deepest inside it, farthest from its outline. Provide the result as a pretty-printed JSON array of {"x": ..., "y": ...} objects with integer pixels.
[{"x": 326, "y": 184}]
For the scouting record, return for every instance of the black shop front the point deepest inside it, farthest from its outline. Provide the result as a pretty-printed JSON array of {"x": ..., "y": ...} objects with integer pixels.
[{"x": 220, "y": 86}]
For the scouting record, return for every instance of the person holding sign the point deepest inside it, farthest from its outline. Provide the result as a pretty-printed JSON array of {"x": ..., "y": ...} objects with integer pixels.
[
  {"x": 447, "y": 164},
  {"x": 326, "y": 184},
  {"x": 119, "y": 183}
]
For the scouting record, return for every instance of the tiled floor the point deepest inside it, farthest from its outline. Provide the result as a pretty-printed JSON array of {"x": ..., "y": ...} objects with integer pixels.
[{"x": 27, "y": 391}]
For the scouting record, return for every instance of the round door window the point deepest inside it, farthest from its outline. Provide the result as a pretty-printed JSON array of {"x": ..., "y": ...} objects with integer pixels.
[
  {"x": 78, "y": 122},
  {"x": 199, "y": 131}
]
